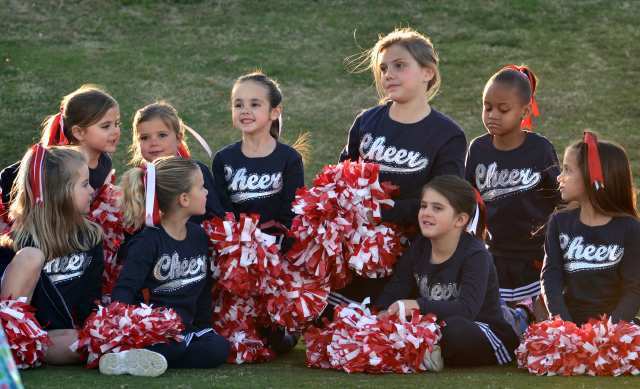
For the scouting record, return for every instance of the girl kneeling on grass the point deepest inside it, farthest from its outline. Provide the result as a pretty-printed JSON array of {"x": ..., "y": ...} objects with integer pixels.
[
  {"x": 592, "y": 261},
  {"x": 454, "y": 277},
  {"x": 53, "y": 255},
  {"x": 170, "y": 259}
]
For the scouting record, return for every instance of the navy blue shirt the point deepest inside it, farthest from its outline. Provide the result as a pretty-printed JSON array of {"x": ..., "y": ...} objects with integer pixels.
[
  {"x": 409, "y": 155},
  {"x": 520, "y": 190},
  {"x": 176, "y": 273},
  {"x": 589, "y": 271},
  {"x": 464, "y": 285},
  {"x": 7, "y": 177},
  {"x": 68, "y": 289},
  {"x": 264, "y": 185}
]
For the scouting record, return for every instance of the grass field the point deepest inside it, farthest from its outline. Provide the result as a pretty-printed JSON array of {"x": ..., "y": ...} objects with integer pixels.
[{"x": 189, "y": 52}]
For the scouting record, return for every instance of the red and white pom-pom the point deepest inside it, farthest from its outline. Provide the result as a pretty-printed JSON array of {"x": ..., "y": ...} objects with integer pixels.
[
  {"x": 612, "y": 349},
  {"x": 237, "y": 319},
  {"x": 294, "y": 299},
  {"x": 105, "y": 211},
  {"x": 120, "y": 327},
  {"x": 332, "y": 229},
  {"x": 26, "y": 338},
  {"x": 599, "y": 347},
  {"x": 5, "y": 223},
  {"x": 243, "y": 253},
  {"x": 552, "y": 347},
  {"x": 358, "y": 341}
]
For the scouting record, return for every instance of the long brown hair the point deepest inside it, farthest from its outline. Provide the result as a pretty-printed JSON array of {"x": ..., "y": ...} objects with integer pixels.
[
  {"x": 418, "y": 45},
  {"x": 462, "y": 198},
  {"x": 618, "y": 197},
  {"x": 83, "y": 107},
  {"x": 55, "y": 226}
]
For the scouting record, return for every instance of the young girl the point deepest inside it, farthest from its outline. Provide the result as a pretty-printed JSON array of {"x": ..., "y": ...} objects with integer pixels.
[
  {"x": 515, "y": 170},
  {"x": 158, "y": 132},
  {"x": 53, "y": 256},
  {"x": 410, "y": 140},
  {"x": 170, "y": 259},
  {"x": 453, "y": 276},
  {"x": 591, "y": 264},
  {"x": 259, "y": 174},
  {"x": 89, "y": 118}
]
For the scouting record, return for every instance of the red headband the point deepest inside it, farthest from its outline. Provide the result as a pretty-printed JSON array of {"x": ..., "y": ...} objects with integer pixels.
[
  {"x": 151, "y": 208},
  {"x": 593, "y": 160},
  {"x": 526, "y": 121},
  {"x": 36, "y": 173},
  {"x": 56, "y": 131}
]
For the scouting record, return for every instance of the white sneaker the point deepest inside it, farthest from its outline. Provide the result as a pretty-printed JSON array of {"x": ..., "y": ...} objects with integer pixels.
[
  {"x": 138, "y": 362},
  {"x": 433, "y": 360}
]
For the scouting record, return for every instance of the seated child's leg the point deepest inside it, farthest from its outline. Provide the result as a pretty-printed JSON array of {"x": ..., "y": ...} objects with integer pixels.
[
  {"x": 172, "y": 351},
  {"x": 207, "y": 351},
  {"x": 58, "y": 352},
  {"x": 22, "y": 274},
  {"x": 280, "y": 340},
  {"x": 465, "y": 343},
  {"x": 518, "y": 279}
]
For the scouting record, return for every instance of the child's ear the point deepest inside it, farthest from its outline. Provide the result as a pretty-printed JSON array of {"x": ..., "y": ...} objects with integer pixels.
[
  {"x": 461, "y": 220},
  {"x": 526, "y": 111},
  {"x": 183, "y": 200},
  {"x": 428, "y": 73},
  {"x": 276, "y": 112},
  {"x": 78, "y": 133}
]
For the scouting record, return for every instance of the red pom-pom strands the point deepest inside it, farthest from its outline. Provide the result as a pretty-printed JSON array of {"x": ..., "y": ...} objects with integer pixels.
[
  {"x": 105, "y": 211},
  {"x": 26, "y": 338},
  {"x": 597, "y": 348},
  {"x": 120, "y": 327},
  {"x": 333, "y": 230},
  {"x": 358, "y": 341}
]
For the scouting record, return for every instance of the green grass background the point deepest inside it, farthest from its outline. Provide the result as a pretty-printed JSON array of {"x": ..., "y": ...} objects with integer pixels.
[{"x": 189, "y": 52}]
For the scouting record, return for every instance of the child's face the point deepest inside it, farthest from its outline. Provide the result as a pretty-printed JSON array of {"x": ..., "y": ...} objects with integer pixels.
[
  {"x": 156, "y": 140},
  {"x": 197, "y": 195},
  {"x": 82, "y": 191},
  {"x": 402, "y": 77},
  {"x": 436, "y": 216},
  {"x": 502, "y": 109},
  {"x": 102, "y": 136},
  {"x": 251, "y": 111},
  {"x": 570, "y": 179}
]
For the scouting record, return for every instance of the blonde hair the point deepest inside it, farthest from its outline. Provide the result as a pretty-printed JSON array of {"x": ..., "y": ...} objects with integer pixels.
[
  {"x": 174, "y": 176},
  {"x": 55, "y": 226},
  {"x": 158, "y": 110},
  {"x": 417, "y": 44},
  {"x": 83, "y": 107}
]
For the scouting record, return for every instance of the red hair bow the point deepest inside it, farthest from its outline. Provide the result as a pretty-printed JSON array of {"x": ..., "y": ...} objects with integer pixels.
[
  {"x": 593, "y": 160},
  {"x": 527, "y": 121},
  {"x": 56, "y": 131},
  {"x": 36, "y": 173},
  {"x": 151, "y": 208}
]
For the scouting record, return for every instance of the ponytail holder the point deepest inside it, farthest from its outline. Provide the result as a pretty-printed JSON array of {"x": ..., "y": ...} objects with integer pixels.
[
  {"x": 593, "y": 160},
  {"x": 472, "y": 227},
  {"x": 183, "y": 152},
  {"x": 526, "y": 121},
  {"x": 151, "y": 209},
  {"x": 36, "y": 173},
  {"x": 279, "y": 125},
  {"x": 56, "y": 131}
]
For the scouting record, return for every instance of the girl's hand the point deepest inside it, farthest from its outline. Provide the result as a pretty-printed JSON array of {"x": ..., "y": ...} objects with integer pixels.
[{"x": 409, "y": 307}]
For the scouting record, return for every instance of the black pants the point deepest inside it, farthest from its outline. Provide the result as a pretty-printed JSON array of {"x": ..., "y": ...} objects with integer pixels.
[
  {"x": 464, "y": 343},
  {"x": 207, "y": 351}
]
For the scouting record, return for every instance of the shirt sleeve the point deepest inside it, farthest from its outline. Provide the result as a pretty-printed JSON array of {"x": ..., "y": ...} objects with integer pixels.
[
  {"x": 629, "y": 271},
  {"x": 351, "y": 150},
  {"x": 402, "y": 283},
  {"x": 450, "y": 158},
  {"x": 141, "y": 254},
  {"x": 293, "y": 178},
  {"x": 552, "y": 275},
  {"x": 470, "y": 167},
  {"x": 219, "y": 183},
  {"x": 472, "y": 283}
]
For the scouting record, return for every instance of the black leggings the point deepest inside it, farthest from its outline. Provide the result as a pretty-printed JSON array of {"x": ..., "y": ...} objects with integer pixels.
[
  {"x": 464, "y": 343},
  {"x": 204, "y": 352}
]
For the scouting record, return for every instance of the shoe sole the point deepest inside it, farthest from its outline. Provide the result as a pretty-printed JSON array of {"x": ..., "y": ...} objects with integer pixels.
[
  {"x": 138, "y": 362},
  {"x": 433, "y": 361}
]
